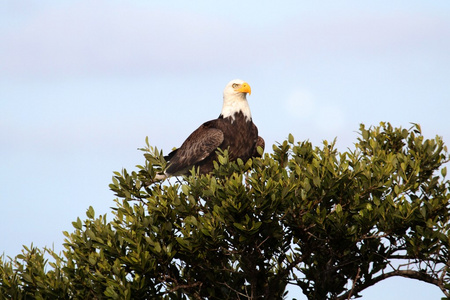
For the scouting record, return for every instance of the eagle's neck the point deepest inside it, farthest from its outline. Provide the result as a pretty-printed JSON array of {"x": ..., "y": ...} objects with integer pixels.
[{"x": 232, "y": 104}]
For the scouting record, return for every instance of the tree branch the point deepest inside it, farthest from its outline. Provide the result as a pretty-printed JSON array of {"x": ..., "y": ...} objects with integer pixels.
[
  {"x": 402, "y": 273},
  {"x": 354, "y": 284}
]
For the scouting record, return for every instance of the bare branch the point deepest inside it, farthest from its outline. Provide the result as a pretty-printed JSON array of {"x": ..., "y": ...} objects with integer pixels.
[
  {"x": 422, "y": 276},
  {"x": 354, "y": 284}
]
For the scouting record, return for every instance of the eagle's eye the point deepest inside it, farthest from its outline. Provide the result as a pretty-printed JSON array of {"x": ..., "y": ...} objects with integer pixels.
[{"x": 235, "y": 85}]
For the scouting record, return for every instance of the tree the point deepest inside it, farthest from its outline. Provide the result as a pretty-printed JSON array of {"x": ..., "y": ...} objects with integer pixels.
[{"x": 332, "y": 223}]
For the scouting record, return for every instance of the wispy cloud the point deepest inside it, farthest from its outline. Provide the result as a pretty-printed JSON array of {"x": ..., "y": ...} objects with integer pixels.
[
  {"x": 98, "y": 37},
  {"x": 86, "y": 38}
]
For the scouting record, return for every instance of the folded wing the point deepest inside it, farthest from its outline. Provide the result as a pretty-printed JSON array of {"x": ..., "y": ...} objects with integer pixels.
[{"x": 198, "y": 146}]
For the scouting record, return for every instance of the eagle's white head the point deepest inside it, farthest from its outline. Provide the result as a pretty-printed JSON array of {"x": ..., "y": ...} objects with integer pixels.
[{"x": 235, "y": 99}]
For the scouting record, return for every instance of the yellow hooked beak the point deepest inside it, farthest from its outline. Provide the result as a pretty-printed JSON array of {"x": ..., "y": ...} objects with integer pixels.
[{"x": 244, "y": 88}]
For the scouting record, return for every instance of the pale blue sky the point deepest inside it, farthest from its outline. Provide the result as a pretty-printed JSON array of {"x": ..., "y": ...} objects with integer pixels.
[{"x": 82, "y": 83}]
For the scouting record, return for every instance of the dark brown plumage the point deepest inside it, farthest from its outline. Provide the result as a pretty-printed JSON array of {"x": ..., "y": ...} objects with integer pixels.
[
  {"x": 233, "y": 130},
  {"x": 199, "y": 149}
]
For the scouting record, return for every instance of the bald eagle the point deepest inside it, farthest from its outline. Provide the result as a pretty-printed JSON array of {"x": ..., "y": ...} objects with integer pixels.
[{"x": 233, "y": 130}]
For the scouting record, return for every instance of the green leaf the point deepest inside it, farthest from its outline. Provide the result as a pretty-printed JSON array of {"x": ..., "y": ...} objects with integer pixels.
[
  {"x": 90, "y": 213},
  {"x": 78, "y": 225},
  {"x": 291, "y": 138},
  {"x": 185, "y": 188},
  {"x": 239, "y": 226}
]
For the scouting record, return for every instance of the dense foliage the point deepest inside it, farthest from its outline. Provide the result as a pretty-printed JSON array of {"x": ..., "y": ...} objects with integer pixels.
[{"x": 332, "y": 223}]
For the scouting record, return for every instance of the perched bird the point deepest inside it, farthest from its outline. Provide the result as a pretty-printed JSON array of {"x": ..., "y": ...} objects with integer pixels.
[{"x": 233, "y": 130}]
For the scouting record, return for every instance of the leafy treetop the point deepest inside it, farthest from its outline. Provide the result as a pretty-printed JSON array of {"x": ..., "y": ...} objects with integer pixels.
[{"x": 331, "y": 223}]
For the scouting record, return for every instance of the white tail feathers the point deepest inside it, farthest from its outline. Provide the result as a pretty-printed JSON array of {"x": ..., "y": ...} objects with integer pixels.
[{"x": 160, "y": 176}]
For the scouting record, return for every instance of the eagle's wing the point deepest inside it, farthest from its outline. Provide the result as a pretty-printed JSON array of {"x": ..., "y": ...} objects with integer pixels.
[{"x": 199, "y": 145}]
